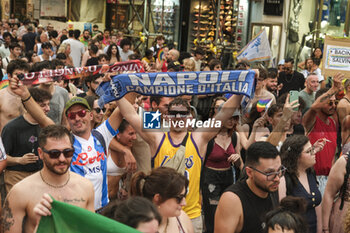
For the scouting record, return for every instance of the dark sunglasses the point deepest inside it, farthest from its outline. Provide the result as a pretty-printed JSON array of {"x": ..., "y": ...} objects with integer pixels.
[
  {"x": 81, "y": 113},
  {"x": 55, "y": 154},
  {"x": 98, "y": 110},
  {"x": 333, "y": 102},
  {"x": 179, "y": 198},
  {"x": 182, "y": 113}
]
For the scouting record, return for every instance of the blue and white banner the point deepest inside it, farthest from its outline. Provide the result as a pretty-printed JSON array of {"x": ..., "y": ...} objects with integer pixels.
[
  {"x": 178, "y": 83},
  {"x": 258, "y": 49}
]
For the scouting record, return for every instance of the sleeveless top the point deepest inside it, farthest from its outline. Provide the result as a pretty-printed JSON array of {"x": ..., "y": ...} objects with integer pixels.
[
  {"x": 313, "y": 199},
  {"x": 42, "y": 59},
  {"x": 324, "y": 158},
  {"x": 167, "y": 150},
  {"x": 254, "y": 207},
  {"x": 218, "y": 156}
]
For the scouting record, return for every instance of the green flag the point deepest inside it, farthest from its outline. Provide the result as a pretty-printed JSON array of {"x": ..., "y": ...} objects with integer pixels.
[{"x": 66, "y": 218}]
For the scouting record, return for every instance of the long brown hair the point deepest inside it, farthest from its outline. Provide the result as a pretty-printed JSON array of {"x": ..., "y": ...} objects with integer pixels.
[{"x": 166, "y": 182}]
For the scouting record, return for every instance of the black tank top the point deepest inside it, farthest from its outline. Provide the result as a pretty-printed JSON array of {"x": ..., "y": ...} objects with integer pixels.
[{"x": 254, "y": 207}]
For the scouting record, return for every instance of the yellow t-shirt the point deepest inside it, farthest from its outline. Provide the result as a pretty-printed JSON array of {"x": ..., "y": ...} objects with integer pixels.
[{"x": 166, "y": 150}]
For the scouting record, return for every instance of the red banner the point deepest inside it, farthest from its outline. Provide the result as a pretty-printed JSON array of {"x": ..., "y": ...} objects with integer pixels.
[{"x": 80, "y": 72}]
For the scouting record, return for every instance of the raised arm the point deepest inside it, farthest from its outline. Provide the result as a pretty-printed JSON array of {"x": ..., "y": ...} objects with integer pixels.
[
  {"x": 309, "y": 117},
  {"x": 334, "y": 183},
  {"x": 129, "y": 113},
  {"x": 29, "y": 103},
  {"x": 275, "y": 136}
]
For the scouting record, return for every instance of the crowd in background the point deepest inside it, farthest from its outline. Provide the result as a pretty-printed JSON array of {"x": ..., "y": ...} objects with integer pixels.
[{"x": 292, "y": 139}]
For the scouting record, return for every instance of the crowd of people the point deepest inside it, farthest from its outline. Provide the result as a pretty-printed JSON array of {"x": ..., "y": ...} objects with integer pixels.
[{"x": 279, "y": 165}]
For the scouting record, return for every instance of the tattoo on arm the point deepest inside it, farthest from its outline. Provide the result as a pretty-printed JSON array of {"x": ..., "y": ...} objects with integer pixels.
[
  {"x": 74, "y": 200},
  {"x": 7, "y": 220}
]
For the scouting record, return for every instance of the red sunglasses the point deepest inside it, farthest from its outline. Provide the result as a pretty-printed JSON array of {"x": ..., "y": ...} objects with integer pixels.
[{"x": 81, "y": 113}]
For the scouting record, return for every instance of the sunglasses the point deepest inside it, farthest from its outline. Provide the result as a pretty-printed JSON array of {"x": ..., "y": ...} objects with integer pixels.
[
  {"x": 81, "y": 113},
  {"x": 333, "y": 102},
  {"x": 182, "y": 113},
  {"x": 55, "y": 154},
  {"x": 98, "y": 110},
  {"x": 179, "y": 198}
]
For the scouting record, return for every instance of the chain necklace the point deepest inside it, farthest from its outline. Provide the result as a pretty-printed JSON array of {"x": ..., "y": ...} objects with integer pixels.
[
  {"x": 55, "y": 186},
  {"x": 166, "y": 226}
]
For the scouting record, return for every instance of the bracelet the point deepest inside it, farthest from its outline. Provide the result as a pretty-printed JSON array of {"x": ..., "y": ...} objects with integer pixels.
[{"x": 23, "y": 101}]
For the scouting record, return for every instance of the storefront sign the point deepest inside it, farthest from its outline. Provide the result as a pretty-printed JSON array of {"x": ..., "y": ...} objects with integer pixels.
[
  {"x": 273, "y": 7},
  {"x": 336, "y": 56}
]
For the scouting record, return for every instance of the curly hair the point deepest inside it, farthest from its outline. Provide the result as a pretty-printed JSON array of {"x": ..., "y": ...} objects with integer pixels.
[{"x": 290, "y": 153}]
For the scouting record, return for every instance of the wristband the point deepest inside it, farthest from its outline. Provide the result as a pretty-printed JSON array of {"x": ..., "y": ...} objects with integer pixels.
[{"x": 25, "y": 100}]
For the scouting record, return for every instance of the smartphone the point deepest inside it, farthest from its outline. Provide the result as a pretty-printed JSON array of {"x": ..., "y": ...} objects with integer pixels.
[{"x": 294, "y": 95}]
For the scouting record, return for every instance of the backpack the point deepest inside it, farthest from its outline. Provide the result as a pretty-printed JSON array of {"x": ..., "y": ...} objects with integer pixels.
[{"x": 178, "y": 160}]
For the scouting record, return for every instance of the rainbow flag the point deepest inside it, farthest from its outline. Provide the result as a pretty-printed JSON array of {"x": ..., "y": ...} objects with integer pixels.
[
  {"x": 160, "y": 54},
  {"x": 262, "y": 105},
  {"x": 4, "y": 84}
]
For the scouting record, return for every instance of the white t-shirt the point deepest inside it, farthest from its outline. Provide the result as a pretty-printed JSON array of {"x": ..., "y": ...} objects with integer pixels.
[
  {"x": 124, "y": 56},
  {"x": 77, "y": 50},
  {"x": 90, "y": 161}
]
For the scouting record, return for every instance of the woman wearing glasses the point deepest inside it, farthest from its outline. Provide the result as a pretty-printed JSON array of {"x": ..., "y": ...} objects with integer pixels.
[
  {"x": 298, "y": 155},
  {"x": 166, "y": 188}
]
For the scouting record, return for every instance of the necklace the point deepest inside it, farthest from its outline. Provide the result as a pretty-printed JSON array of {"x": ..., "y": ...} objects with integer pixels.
[
  {"x": 55, "y": 186},
  {"x": 166, "y": 226}
]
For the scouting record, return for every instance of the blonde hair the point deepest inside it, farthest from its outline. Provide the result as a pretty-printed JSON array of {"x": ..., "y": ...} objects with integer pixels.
[
  {"x": 189, "y": 64},
  {"x": 62, "y": 48}
]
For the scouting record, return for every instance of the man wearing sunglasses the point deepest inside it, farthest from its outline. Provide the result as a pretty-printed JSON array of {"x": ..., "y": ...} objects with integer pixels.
[
  {"x": 56, "y": 151},
  {"x": 289, "y": 78},
  {"x": 243, "y": 206},
  {"x": 90, "y": 159},
  {"x": 165, "y": 145},
  {"x": 319, "y": 123}
]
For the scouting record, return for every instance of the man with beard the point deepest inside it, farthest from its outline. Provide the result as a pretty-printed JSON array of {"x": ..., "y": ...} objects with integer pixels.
[
  {"x": 85, "y": 38},
  {"x": 56, "y": 151},
  {"x": 271, "y": 81},
  {"x": 289, "y": 78},
  {"x": 92, "y": 82},
  {"x": 90, "y": 157},
  {"x": 243, "y": 206},
  {"x": 319, "y": 123},
  {"x": 308, "y": 93}
]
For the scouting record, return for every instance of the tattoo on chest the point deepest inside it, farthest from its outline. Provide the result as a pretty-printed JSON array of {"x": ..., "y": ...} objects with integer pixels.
[
  {"x": 7, "y": 220},
  {"x": 74, "y": 200}
]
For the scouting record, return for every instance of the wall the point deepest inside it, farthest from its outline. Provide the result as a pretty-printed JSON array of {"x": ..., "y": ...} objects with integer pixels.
[
  {"x": 76, "y": 25},
  {"x": 257, "y": 16}
]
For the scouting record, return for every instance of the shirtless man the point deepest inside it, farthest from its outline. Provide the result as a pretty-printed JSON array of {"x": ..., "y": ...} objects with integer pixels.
[
  {"x": 56, "y": 151},
  {"x": 10, "y": 104}
]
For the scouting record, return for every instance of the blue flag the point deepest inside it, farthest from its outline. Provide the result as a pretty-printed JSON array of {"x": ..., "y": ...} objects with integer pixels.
[{"x": 178, "y": 83}]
